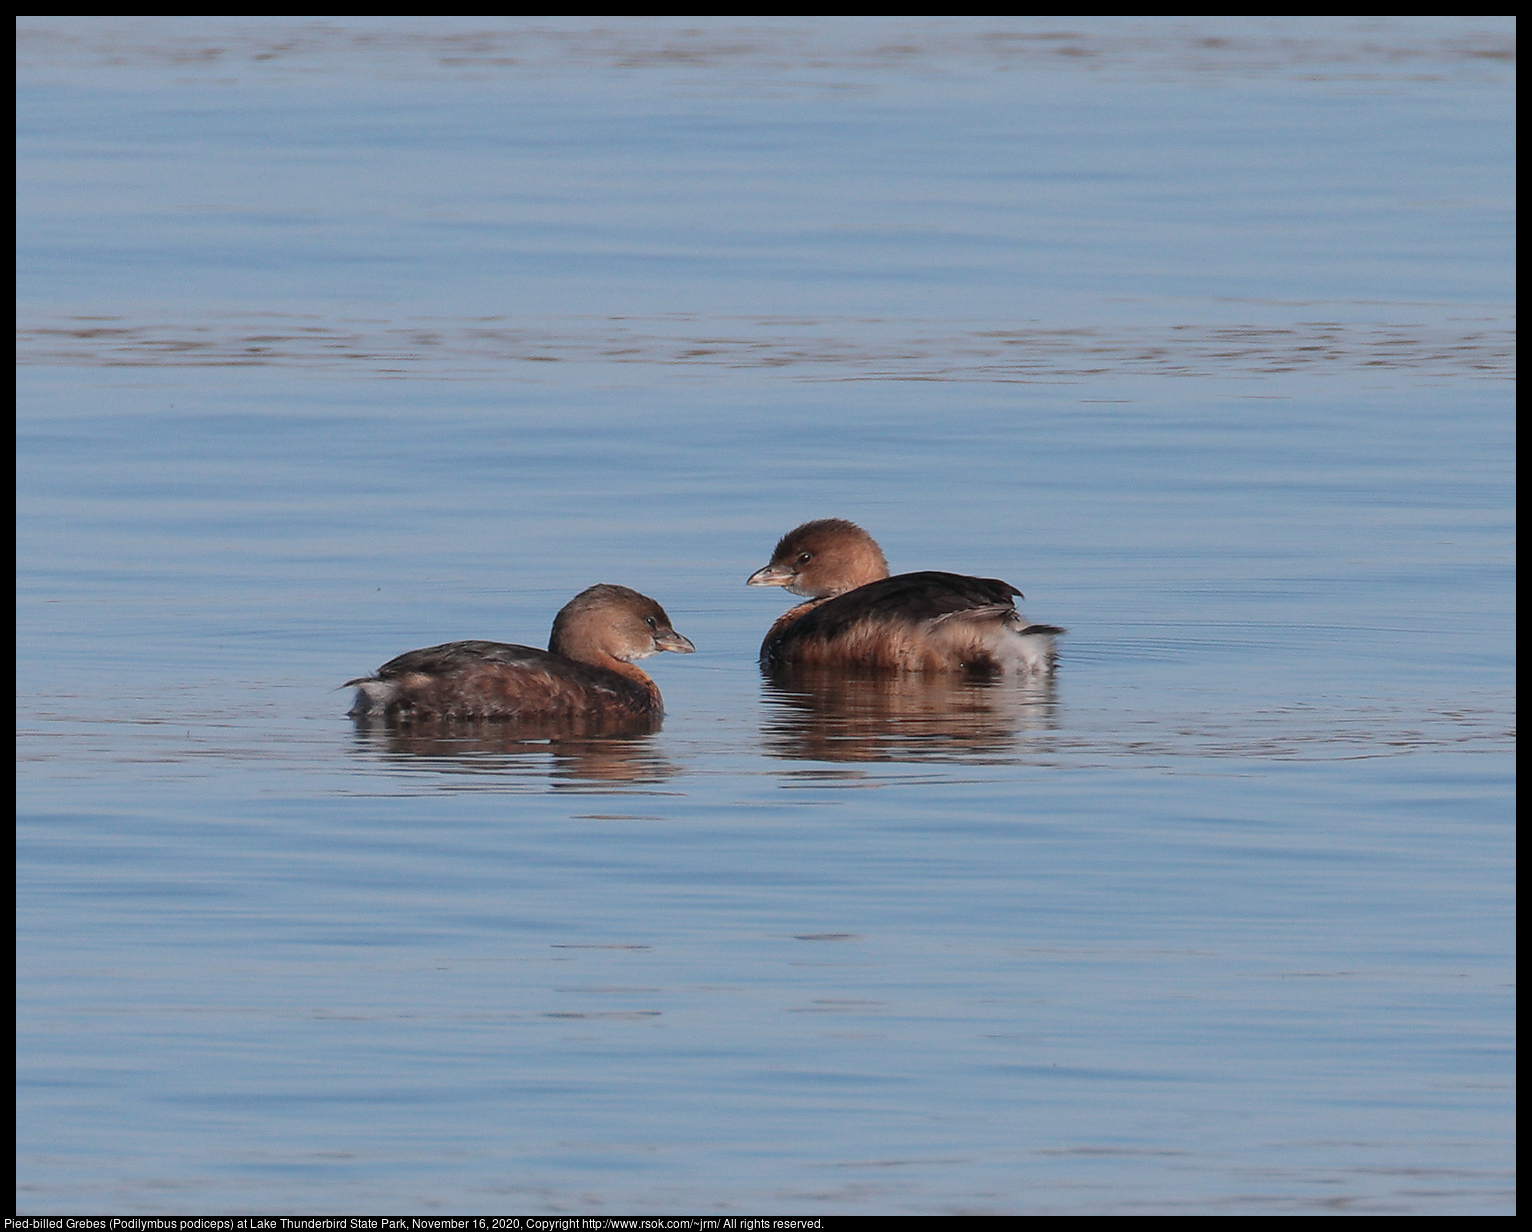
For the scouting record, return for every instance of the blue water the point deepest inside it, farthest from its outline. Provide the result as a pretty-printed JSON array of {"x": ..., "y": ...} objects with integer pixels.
[{"x": 339, "y": 339}]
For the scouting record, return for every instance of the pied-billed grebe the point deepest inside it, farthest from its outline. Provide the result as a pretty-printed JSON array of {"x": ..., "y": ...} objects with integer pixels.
[
  {"x": 585, "y": 678},
  {"x": 858, "y": 616}
]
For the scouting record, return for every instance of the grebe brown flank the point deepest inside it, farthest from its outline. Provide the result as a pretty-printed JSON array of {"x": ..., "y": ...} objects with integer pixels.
[
  {"x": 585, "y": 677},
  {"x": 859, "y": 616}
]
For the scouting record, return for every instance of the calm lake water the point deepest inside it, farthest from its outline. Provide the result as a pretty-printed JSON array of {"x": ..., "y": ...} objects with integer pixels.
[{"x": 345, "y": 337}]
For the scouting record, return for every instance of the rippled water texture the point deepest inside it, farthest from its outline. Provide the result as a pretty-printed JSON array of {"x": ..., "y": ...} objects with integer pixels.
[{"x": 347, "y": 336}]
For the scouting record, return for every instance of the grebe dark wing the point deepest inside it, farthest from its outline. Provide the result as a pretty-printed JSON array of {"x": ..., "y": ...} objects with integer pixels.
[
  {"x": 909, "y": 599},
  {"x": 453, "y": 656}
]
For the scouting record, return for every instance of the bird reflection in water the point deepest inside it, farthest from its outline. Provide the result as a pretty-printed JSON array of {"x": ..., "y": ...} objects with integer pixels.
[
  {"x": 492, "y": 754},
  {"x": 837, "y": 714}
]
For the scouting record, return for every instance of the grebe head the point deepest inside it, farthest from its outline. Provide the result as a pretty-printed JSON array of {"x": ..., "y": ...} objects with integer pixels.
[
  {"x": 822, "y": 559},
  {"x": 613, "y": 622}
]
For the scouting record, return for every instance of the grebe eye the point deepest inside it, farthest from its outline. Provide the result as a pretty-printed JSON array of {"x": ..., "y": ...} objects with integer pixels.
[
  {"x": 805, "y": 558},
  {"x": 649, "y": 620}
]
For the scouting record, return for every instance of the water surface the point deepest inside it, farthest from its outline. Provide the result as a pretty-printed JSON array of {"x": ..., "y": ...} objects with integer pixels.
[{"x": 341, "y": 338}]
